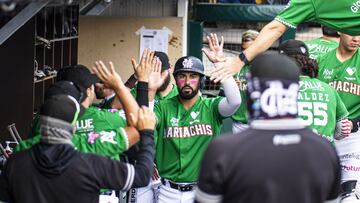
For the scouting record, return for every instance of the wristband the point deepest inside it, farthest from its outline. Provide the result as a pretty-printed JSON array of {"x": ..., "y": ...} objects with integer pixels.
[
  {"x": 243, "y": 58},
  {"x": 130, "y": 83}
]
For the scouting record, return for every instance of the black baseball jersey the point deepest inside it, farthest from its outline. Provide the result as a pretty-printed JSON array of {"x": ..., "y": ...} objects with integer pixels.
[{"x": 266, "y": 165}]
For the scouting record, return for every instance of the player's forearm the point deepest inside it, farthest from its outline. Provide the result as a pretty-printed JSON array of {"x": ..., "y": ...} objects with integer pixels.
[
  {"x": 268, "y": 35},
  {"x": 232, "y": 99},
  {"x": 127, "y": 100},
  {"x": 145, "y": 159}
]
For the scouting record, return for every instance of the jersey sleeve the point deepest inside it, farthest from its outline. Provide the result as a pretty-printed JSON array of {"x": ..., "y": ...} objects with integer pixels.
[
  {"x": 109, "y": 143},
  {"x": 111, "y": 174},
  {"x": 210, "y": 185},
  {"x": 341, "y": 111},
  {"x": 115, "y": 118},
  {"x": 296, "y": 12},
  {"x": 28, "y": 143},
  {"x": 215, "y": 105}
]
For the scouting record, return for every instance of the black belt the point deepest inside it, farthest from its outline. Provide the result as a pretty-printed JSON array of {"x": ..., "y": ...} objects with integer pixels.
[{"x": 181, "y": 187}]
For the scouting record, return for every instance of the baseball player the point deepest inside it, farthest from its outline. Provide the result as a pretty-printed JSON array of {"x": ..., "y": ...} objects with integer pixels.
[
  {"x": 109, "y": 127},
  {"x": 277, "y": 159},
  {"x": 185, "y": 126},
  {"x": 340, "y": 15},
  {"x": 214, "y": 54},
  {"x": 340, "y": 68},
  {"x": 106, "y": 94},
  {"x": 56, "y": 172},
  {"x": 106, "y": 142},
  {"x": 324, "y": 44},
  {"x": 165, "y": 90},
  {"x": 319, "y": 105}
]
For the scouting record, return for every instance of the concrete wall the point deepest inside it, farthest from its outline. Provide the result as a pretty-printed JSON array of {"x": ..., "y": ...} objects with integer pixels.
[{"x": 114, "y": 38}]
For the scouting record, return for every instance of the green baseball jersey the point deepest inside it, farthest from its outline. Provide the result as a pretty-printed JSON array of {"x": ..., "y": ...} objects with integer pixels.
[
  {"x": 107, "y": 125},
  {"x": 341, "y": 15},
  {"x": 183, "y": 136},
  {"x": 320, "y": 46},
  {"x": 174, "y": 92},
  {"x": 319, "y": 106},
  {"x": 344, "y": 77},
  {"x": 241, "y": 115},
  {"x": 109, "y": 143}
]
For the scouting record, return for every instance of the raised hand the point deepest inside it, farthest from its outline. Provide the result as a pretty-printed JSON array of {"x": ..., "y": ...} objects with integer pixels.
[
  {"x": 157, "y": 77},
  {"x": 144, "y": 68},
  {"x": 226, "y": 69},
  {"x": 215, "y": 54},
  {"x": 108, "y": 75}
]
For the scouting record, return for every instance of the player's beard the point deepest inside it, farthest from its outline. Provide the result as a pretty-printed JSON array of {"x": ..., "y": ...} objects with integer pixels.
[
  {"x": 165, "y": 84},
  {"x": 187, "y": 96}
]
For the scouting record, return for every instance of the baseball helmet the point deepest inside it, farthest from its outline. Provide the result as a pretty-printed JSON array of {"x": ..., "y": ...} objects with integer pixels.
[{"x": 189, "y": 64}]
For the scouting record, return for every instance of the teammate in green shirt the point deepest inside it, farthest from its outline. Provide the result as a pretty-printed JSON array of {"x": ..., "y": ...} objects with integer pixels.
[
  {"x": 340, "y": 68},
  {"x": 97, "y": 130},
  {"x": 324, "y": 44},
  {"x": 215, "y": 53},
  {"x": 340, "y": 15},
  {"x": 185, "y": 126},
  {"x": 319, "y": 105}
]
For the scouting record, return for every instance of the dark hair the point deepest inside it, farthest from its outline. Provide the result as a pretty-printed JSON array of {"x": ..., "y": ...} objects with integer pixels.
[
  {"x": 329, "y": 32},
  {"x": 307, "y": 65}
]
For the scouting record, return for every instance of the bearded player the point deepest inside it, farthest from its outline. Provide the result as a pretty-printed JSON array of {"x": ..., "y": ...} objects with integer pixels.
[{"x": 185, "y": 126}]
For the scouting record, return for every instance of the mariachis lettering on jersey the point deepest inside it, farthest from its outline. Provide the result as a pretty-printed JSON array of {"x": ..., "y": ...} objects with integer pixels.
[
  {"x": 355, "y": 7},
  {"x": 188, "y": 131},
  {"x": 348, "y": 87},
  {"x": 84, "y": 125}
]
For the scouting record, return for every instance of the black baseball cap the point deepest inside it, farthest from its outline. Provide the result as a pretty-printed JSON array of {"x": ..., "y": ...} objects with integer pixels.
[
  {"x": 189, "y": 64},
  {"x": 293, "y": 47},
  {"x": 65, "y": 87},
  {"x": 62, "y": 107},
  {"x": 78, "y": 74},
  {"x": 163, "y": 57}
]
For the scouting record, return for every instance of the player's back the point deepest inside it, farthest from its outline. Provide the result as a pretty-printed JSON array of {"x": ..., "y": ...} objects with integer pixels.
[
  {"x": 319, "y": 106},
  {"x": 276, "y": 166}
]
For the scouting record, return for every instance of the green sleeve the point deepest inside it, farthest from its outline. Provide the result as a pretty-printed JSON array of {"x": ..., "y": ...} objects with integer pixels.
[
  {"x": 109, "y": 143},
  {"x": 115, "y": 118},
  {"x": 157, "y": 111},
  {"x": 215, "y": 105},
  {"x": 296, "y": 12},
  {"x": 341, "y": 111},
  {"x": 28, "y": 143}
]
